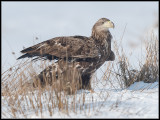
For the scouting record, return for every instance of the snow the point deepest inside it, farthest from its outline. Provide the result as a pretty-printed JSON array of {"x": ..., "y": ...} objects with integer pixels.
[
  {"x": 133, "y": 102},
  {"x": 143, "y": 86},
  {"x": 126, "y": 103}
]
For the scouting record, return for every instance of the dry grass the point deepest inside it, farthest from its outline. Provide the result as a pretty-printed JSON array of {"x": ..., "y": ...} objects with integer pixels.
[
  {"x": 23, "y": 93},
  {"x": 149, "y": 71}
]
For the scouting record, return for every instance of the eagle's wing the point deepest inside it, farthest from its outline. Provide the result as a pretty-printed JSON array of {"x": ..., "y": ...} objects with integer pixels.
[{"x": 73, "y": 47}]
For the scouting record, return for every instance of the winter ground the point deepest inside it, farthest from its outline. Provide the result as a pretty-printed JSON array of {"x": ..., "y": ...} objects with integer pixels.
[
  {"x": 128, "y": 103},
  {"x": 140, "y": 100}
]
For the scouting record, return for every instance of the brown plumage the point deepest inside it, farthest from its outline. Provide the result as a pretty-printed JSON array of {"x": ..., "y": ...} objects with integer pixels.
[
  {"x": 59, "y": 47},
  {"x": 87, "y": 53}
]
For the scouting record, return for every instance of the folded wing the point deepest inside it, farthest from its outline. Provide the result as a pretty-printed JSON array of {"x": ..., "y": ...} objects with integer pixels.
[{"x": 62, "y": 47}]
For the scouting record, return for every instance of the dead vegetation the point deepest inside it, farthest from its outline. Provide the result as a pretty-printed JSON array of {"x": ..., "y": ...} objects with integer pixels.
[{"x": 149, "y": 71}]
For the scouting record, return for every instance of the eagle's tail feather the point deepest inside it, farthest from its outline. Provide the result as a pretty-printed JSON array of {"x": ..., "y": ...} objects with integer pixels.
[
  {"x": 25, "y": 55},
  {"x": 27, "y": 50}
]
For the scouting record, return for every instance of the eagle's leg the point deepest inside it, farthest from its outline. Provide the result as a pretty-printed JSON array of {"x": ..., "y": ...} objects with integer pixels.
[{"x": 86, "y": 81}]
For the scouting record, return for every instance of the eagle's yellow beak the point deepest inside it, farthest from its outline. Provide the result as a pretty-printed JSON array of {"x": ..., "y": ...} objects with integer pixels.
[{"x": 109, "y": 24}]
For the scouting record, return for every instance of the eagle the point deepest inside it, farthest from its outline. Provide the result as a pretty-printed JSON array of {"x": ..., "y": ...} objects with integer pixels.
[{"x": 86, "y": 53}]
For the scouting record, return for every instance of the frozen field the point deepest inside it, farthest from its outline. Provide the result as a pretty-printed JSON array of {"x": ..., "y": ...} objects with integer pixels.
[{"x": 140, "y": 100}]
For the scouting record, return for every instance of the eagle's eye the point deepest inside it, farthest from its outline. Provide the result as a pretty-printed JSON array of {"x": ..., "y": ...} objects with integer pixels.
[{"x": 102, "y": 22}]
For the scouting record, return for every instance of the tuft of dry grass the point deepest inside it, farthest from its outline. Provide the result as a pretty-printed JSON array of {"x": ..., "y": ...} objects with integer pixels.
[
  {"x": 149, "y": 71},
  {"x": 22, "y": 88}
]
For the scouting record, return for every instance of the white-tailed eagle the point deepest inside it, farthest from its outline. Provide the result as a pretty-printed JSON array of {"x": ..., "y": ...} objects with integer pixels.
[{"x": 88, "y": 53}]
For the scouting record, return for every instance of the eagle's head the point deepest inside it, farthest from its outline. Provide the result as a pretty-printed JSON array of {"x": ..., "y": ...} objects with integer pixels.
[{"x": 103, "y": 24}]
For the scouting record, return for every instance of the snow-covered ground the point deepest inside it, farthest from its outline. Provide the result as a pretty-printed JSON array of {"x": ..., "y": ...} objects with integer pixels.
[
  {"x": 140, "y": 100},
  {"x": 128, "y": 103}
]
